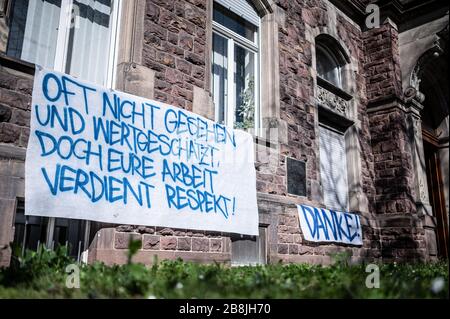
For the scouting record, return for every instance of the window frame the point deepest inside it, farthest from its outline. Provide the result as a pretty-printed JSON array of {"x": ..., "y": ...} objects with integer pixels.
[
  {"x": 259, "y": 243},
  {"x": 65, "y": 20},
  {"x": 342, "y": 132},
  {"x": 63, "y": 33},
  {"x": 334, "y": 52},
  {"x": 338, "y": 66},
  {"x": 234, "y": 39}
]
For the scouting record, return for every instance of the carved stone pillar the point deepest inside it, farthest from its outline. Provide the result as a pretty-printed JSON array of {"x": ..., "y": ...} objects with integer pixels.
[{"x": 414, "y": 100}]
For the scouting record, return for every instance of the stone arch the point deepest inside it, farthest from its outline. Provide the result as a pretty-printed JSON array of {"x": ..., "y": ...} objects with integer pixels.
[
  {"x": 263, "y": 7},
  {"x": 341, "y": 50},
  {"x": 424, "y": 61},
  {"x": 428, "y": 98},
  {"x": 330, "y": 36},
  {"x": 428, "y": 81},
  {"x": 416, "y": 43},
  {"x": 340, "y": 53}
]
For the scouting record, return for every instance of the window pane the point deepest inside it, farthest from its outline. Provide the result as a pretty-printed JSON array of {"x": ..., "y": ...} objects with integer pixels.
[
  {"x": 34, "y": 31},
  {"x": 249, "y": 250},
  {"x": 333, "y": 169},
  {"x": 233, "y": 22},
  {"x": 70, "y": 233},
  {"x": 89, "y": 40},
  {"x": 220, "y": 77},
  {"x": 245, "y": 88},
  {"x": 327, "y": 67}
]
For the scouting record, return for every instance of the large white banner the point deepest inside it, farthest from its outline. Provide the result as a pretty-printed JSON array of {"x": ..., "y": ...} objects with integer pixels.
[
  {"x": 323, "y": 225},
  {"x": 103, "y": 155}
]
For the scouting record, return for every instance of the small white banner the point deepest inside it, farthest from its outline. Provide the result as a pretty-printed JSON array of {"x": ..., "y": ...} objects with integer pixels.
[
  {"x": 323, "y": 225},
  {"x": 103, "y": 155}
]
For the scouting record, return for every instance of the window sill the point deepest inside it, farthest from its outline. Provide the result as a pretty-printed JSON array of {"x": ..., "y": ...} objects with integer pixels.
[
  {"x": 333, "y": 89},
  {"x": 17, "y": 64},
  {"x": 334, "y": 119}
]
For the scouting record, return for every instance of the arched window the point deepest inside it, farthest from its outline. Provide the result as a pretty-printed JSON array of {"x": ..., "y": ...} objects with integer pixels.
[{"x": 330, "y": 61}]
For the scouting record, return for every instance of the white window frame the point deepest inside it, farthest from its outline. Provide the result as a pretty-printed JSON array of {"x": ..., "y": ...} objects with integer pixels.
[
  {"x": 60, "y": 64},
  {"x": 65, "y": 20},
  {"x": 234, "y": 39}
]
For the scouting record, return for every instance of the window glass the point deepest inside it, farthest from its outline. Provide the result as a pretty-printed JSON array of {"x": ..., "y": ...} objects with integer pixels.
[
  {"x": 29, "y": 231},
  {"x": 34, "y": 31},
  {"x": 328, "y": 66},
  {"x": 70, "y": 233},
  {"x": 220, "y": 75},
  {"x": 333, "y": 169},
  {"x": 89, "y": 40},
  {"x": 235, "y": 78},
  {"x": 41, "y": 33},
  {"x": 71, "y": 36},
  {"x": 233, "y": 22},
  {"x": 249, "y": 250},
  {"x": 245, "y": 88}
]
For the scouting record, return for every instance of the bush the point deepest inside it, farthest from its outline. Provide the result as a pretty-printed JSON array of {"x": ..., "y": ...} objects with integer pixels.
[{"x": 42, "y": 274}]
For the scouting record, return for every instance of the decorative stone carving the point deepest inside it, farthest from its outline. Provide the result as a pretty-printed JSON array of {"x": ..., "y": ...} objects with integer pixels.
[
  {"x": 423, "y": 192},
  {"x": 417, "y": 145},
  {"x": 332, "y": 101},
  {"x": 428, "y": 57},
  {"x": 411, "y": 93}
]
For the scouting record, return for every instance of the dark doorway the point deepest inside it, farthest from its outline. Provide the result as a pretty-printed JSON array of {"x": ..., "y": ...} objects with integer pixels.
[
  {"x": 32, "y": 231},
  {"x": 436, "y": 190}
]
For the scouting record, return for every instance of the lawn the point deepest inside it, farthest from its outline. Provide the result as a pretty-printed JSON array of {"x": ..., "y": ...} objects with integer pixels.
[{"x": 43, "y": 274}]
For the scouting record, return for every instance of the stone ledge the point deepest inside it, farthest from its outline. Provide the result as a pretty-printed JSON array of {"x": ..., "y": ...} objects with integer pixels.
[
  {"x": 300, "y": 259},
  {"x": 397, "y": 220},
  {"x": 112, "y": 256},
  {"x": 202, "y": 103},
  {"x": 135, "y": 79},
  {"x": 17, "y": 64},
  {"x": 12, "y": 152}
]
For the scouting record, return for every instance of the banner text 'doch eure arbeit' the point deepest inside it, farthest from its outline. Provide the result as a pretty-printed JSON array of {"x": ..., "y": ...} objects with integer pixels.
[{"x": 103, "y": 155}]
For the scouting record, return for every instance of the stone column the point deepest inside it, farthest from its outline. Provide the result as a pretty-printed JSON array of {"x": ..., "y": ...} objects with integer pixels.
[
  {"x": 393, "y": 146},
  {"x": 414, "y": 100}
]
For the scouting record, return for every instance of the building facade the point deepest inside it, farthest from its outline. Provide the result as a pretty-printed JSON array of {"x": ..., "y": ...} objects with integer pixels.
[{"x": 347, "y": 114}]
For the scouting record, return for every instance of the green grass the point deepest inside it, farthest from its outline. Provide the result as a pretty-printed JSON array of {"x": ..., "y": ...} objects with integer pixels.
[{"x": 42, "y": 275}]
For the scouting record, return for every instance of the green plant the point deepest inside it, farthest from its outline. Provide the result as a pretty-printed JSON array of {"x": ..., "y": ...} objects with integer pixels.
[
  {"x": 247, "y": 108},
  {"x": 133, "y": 247},
  {"x": 341, "y": 258},
  {"x": 36, "y": 264},
  {"x": 42, "y": 274}
]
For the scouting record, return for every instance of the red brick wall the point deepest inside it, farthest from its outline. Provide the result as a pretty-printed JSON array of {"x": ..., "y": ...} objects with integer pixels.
[
  {"x": 174, "y": 46},
  {"x": 390, "y": 140},
  {"x": 15, "y": 99},
  {"x": 382, "y": 68},
  {"x": 297, "y": 86},
  {"x": 401, "y": 232}
]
